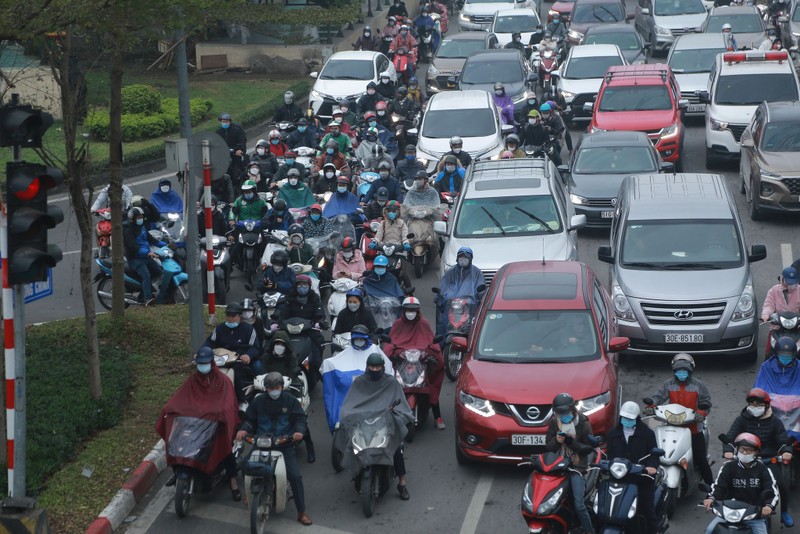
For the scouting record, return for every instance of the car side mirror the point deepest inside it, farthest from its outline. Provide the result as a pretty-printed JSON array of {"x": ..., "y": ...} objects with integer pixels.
[
  {"x": 314, "y": 74},
  {"x": 618, "y": 344},
  {"x": 645, "y": 11},
  {"x": 747, "y": 140},
  {"x": 507, "y": 129},
  {"x": 440, "y": 227},
  {"x": 563, "y": 170},
  {"x": 683, "y": 103},
  {"x": 647, "y": 46},
  {"x": 630, "y": 16},
  {"x": 667, "y": 167},
  {"x": 588, "y": 107},
  {"x": 703, "y": 96},
  {"x": 703, "y": 406},
  {"x": 412, "y": 131},
  {"x": 576, "y": 222},
  {"x": 757, "y": 253},
  {"x": 460, "y": 343},
  {"x": 604, "y": 254},
  {"x": 533, "y": 77}
]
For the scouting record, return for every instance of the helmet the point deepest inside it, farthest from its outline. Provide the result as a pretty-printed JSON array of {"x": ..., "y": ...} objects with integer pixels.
[
  {"x": 274, "y": 134},
  {"x": 136, "y": 200},
  {"x": 760, "y": 395},
  {"x": 360, "y": 330},
  {"x": 499, "y": 86},
  {"x": 204, "y": 355},
  {"x": 784, "y": 345},
  {"x": 382, "y": 194},
  {"x": 556, "y": 15},
  {"x": 563, "y": 403},
  {"x": 367, "y": 29},
  {"x": 262, "y": 143},
  {"x": 336, "y": 123},
  {"x": 404, "y": 27},
  {"x": 369, "y": 115},
  {"x": 552, "y": 104},
  {"x": 279, "y": 257},
  {"x": 465, "y": 251},
  {"x": 375, "y": 360},
  {"x": 748, "y": 440},
  {"x": 411, "y": 303},
  {"x": 402, "y": 91},
  {"x": 336, "y": 111},
  {"x": 545, "y": 108},
  {"x": 683, "y": 361},
  {"x": 533, "y": 114},
  {"x": 297, "y": 229},
  {"x": 392, "y": 205},
  {"x": 507, "y": 154},
  {"x": 381, "y": 261},
  {"x": 248, "y": 304},
  {"x": 224, "y": 117},
  {"x": 380, "y": 105},
  {"x": 425, "y": 9},
  {"x": 413, "y": 81},
  {"x": 392, "y": 19},
  {"x": 342, "y": 179},
  {"x": 302, "y": 121},
  {"x": 630, "y": 410},
  {"x": 279, "y": 205},
  {"x": 548, "y": 34},
  {"x": 316, "y": 207},
  {"x": 456, "y": 140},
  {"x": 384, "y": 164},
  {"x": 288, "y": 97},
  {"x": 355, "y": 292},
  {"x": 133, "y": 212},
  {"x": 348, "y": 243},
  {"x": 234, "y": 308},
  {"x": 385, "y": 74},
  {"x": 344, "y": 104},
  {"x": 450, "y": 158},
  {"x": 302, "y": 279},
  {"x": 293, "y": 172},
  {"x": 371, "y": 135},
  {"x": 248, "y": 185},
  {"x": 515, "y": 35},
  {"x": 726, "y": 26},
  {"x": 422, "y": 175},
  {"x": 330, "y": 166},
  {"x": 512, "y": 138},
  {"x": 331, "y": 144},
  {"x": 273, "y": 380}
]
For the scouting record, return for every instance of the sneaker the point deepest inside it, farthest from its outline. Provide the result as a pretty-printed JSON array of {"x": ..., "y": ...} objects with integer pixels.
[
  {"x": 401, "y": 488},
  {"x": 150, "y": 301},
  {"x": 787, "y": 519},
  {"x": 440, "y": 423}
]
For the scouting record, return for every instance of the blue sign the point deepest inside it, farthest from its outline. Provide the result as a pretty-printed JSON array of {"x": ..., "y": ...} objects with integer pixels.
[{"x": 39, "y": 290}]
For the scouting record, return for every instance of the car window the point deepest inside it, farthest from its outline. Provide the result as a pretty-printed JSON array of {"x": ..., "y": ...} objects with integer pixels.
[
  {"x": 445, "y": 123},
  {"x": 601, "y": 311},
  {"x": 515, "y": 23},
  {"x": 538, "y": 336},
  {"x": 508, "y": 216},
  {"x": 742, "y": 23},
  {"x": 383, "y": 64},
  {"x": 635, "y": 98},
  {"x": 491, "y": 71},
  {"x": 679, "y": 7},
  {"x": 460, "y": 48},
  {"x": 699, "y": 60},
  {"x": 584, "y": 68},
  {"x": 348, "y": 69},
  {"x": 781, "y": 137},
  {"x": 597, "y": 13},
  {"x": 758, "y": 123},
  {"x": 748, "y": 90},
  {"x": 614, "y": 160},
  {"x": 796, "y": 14},
  {"x": 624, "y": 40}
]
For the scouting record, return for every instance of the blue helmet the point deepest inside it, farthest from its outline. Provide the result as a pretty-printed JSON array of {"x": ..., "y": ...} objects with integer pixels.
[
  {"x": 204, "y": 355},
  {"x": 545, "y": 107},
  {"x": 381, "y": 261},
  {"x": 355, "y": 292},
  {"x": 465, "y": 251}
]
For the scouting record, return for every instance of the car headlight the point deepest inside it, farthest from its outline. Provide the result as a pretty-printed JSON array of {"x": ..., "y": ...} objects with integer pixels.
[
  {"x": 523, "y": 96},
  {"x": 663, "y": 31},
  {"x": 568, "y": 95},
  {"x": 768, "y": 174},
  {"x": 718, "y": 125},
  {"x": 622, "y": 308},
  {"x": 594, "y": 404},
  {"x": 527, "y": 503},
  {"x": 577, "y": 199},
  {"x": 595, "y": 130},
  {"x": 464, "y": 17},
  {"x": 670, "y": 131},
  {"x": 316, "y": 94},
  {"x": 575, "y": 35},
  {"x": 476, "y": 405},
  {"x": 746, "y": 307},
  {"x": 547, "y": 507},
  {"x": 433, "y": 70}
]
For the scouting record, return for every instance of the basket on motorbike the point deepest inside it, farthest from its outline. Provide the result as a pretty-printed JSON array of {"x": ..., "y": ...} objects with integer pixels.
[{"x": 258, "y": 465}]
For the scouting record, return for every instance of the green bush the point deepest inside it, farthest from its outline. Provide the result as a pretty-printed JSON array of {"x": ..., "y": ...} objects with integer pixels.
[
  {"x": 140, "y": 99},
  {"x": 136, "y": 127},
  {"x": 199, "y": 108}
]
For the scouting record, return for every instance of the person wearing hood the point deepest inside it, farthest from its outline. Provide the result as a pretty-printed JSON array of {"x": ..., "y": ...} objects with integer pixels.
[
  {"x": 381, "y": 283},
  {"x": 503, "y": 103},
  {"x": 367, "y": 41},
  {"x": 386, "y": 87},
  {"x": 421, "y": 194},
  {"x": 408, "y": 167},
  {"x": 461, "y": 280},
  {"x": 365, "y": 148},
  {"x": 349, "y": 261},
  {"x": 219, "y": 223},
  {"x": 413, "y": 331},
  {"x": 331, "y": 156},
  {"x": 379, "y": 158},
  {"x": 298, "y": 250},
  {"x": 278, "y": 218},
  {"x": 250, "y": 316},
  {"x": 236, "y": 139},
  {"x": 277, "y": 275},
  {"x": 165, "y": 199},
  {"x": 783, "y": 296},
  {"x": 368, "y": 100},
  {"x": 288, "y": 111},
  {"x": 451, "y": 176},
  {"x": 335, "y": 133},
  {"x": 398, "y": 9},
  {"x": 387, "y": 181},
  {"x": 296, "y": 193},
  {"x": 256, "y": 173},
  {"x": 355, "y": 313},
  {"x": 290, "y": 162},
  {"x": 757, "y": 418},
  {"x": 402, "y": 105},
  {"x": 103, "y": 199},
  {"x": 315, "y": 225},
  {"x": 374, "y": 209},
  {"x": 343, "y": 201},
  {"x": 151, "y": 213},
  {"x": 302, "y": 136}
]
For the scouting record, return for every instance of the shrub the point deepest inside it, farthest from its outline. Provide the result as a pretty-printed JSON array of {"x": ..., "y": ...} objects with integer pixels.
[
  {"x": 138, "y": 126},
  {"x": 135, "y": 127},
  {"x": 139, "y": 99}
]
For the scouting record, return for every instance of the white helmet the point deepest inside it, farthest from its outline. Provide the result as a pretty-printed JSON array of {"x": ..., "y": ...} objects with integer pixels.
[
  {"x": 385, "y": 74},
  {"x": 630, "y": 410},
  {"x": 726, "y": 27}
]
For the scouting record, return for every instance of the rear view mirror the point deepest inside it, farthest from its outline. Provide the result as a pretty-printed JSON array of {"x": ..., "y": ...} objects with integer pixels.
[
  {"x": 683, "y": 103},
  {"x": 645, "y": 11},
  {"x": 440, "y": 227},
  {"x": 314, "y": 74},
  {"x": 604, "y": 254},
  {"x": 630, "y": 16},
  {"x": 667, "y": 167},
  {"x": 577, "y": 222},
  {"x": 412, "y": 131},
  {"x": 757, "y": 253},
  {"x": 703, "y": 96},
  {"x": 507, "y": 129},
  {"x": 618, "y": 344}
]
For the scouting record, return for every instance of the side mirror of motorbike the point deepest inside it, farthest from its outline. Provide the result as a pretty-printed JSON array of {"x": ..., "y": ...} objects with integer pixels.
[
  {"x": 438, "y": 339},
  {"x": 459, "y": 342},
  {"x": 384, "y": 338},
  {"x": 703, "y": 97},
  {"x": 704, "y": 406},
  {"x": 658, "y": 453},
  {"x": 724, "y": 439},
  {"x": 481, "y": 288},
  {"x": 604, "y": 254},
  {"x": 409, "y": 291},
  {"x": 533, "y": 77},
  {"x": 435, "y": 290},
  {"x": 593, "y": 440},
  {"x": 507, "y": 129},
  {"x": 412, "y": 131},
  {"x": 757, "y": 253},
  {"x": 440, "y": 227},
  {"x": 411, "y": 236},
  {"x": 630, "y": 16}
]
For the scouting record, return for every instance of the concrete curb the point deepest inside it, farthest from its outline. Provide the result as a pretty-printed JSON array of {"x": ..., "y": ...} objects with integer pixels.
[{"x": 131, "y": 492}]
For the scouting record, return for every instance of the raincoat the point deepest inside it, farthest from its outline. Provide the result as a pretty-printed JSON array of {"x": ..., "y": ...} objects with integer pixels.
[
  {"x": 783, "y": 385},
  {"x": 298, "y": 196},
  {"x": 169, "y": 202},
  {"x": 346, "y": 203},
  {"x": 417, "y": 334},
  {"x": 506, "y": 107}
]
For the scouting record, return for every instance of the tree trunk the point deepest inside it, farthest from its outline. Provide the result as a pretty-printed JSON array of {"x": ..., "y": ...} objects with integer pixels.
[{"x": 115, "y": 191}]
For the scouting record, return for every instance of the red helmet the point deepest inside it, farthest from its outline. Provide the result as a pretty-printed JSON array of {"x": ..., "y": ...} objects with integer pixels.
[
  {"x": 747, "y": 439},
  {"x": 380, "y": 104},
  {"x": 348, "y": 243},
  {"x": 369, "y": 115},
  {"x": 758, "y": 394}
]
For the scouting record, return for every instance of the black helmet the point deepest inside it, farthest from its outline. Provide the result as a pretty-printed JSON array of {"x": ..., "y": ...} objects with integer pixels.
[
  {"x": 384, "y": 165},
  {"x": 450, "y": 158},
  {"x": 280, "y": 205},
  {"x": 361, "y": 329},
  {"x": 204, "y": 355},
  {"x": 377, "y": 151},
  {"x": 512, "y": 138},
  {"x": 382, "y": 194},
  {"x": 515, "y": 35},
  {"x": 279, "y": 257},
  {"x": 786, "y": 345},
  {"x": 297, "y": 229},
  {"x": 402, "y": 91},
  {"x": 293, "y": 172},
  {"x": 234, "y": 308},
  {"x": 273, "y": 379},
  {"x": 248, "y": 304},
  {"x": 224, "y": 117},
  {"x": 563, "y": 403},
  {"x": 375, "y": 360}
]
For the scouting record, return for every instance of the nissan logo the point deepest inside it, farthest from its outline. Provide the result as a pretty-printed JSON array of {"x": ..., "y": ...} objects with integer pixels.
[
  {"x": 683, "y": 315},
  {"x": 533, "y": 413}
]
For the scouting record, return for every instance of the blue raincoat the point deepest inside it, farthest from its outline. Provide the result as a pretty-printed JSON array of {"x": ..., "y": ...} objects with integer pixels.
[
  {"x": 169, "y": 202},
  {"x": 456, "y": 282},
  {"x": 346, "y": 203},
  {"x": 783, "y": 385}
]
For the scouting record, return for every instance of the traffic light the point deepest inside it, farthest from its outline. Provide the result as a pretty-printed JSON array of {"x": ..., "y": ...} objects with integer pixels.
[
  {"x": 23, "y": 126},
  {"x": 29, "y": 218}
]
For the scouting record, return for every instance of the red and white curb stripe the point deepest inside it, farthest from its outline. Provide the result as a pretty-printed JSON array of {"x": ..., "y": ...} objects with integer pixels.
[{"x": 132, "y": 491}]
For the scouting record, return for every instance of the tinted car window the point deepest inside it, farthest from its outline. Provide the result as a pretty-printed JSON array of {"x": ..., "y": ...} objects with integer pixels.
[
  {"x": 581, "y": 68},
  {"x": 624, "y": 40},
  {"x": 635, "y": 98},
  {"x": 781, "y": 137},
  {"x": 508, "y": 216},
  {"x": 752, "y": 90},
  {"x": 517, "y": 23},
  {"x": 699, "y": 60},
  {"x": 459, "y": 48},
  {"x": 462, "y": 122},
  {"x": 598, "y": 13},
  {"x": 491, "y": 71},
  {"x": 679, "y": 7},
  {"x": 744, "y": 23},
  {"x": 699, "y": 244},
  {"x": 614, "y": 160},
  {"x": 348, "y": 69}
]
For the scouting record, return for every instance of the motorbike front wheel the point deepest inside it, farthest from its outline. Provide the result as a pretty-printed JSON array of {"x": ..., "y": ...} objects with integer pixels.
[
  {"x": 103, "y": 293},
  {"x": 419, "y": 266},
  {"x": 182, "y": 496},
  {"x": 671, "y": 501},
  {"x": 369, "y": 491},
  {"x": 181, "y": 293},
  {"x": 261, "y": 507},
  {"x": 336, "y": 455},
  {"x": 453, "y": 359}
]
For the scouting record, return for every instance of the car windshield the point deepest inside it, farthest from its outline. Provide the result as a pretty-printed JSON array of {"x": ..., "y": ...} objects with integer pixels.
[
  {"x": 615, "y": 160},
  {"x": 781, "y": 137},
  {"x": 445, "y": 123},
  {"x": 508, "y": 216},
  {"x": 490, "y": 2},
  {"x": 538, "y": 336},
  {"x": 747, "y": 90},
  {"x": 679, "y": 7},
  {"x": 635, "y": 98},
  {"x": 697, "y": 60},
  {"x": 348, "y": 69},
  {"x": 681, "y": 244},
  {"x": 743, "y": 23},
  {"x": 460, "y": 48},
  {"x": 515, "y": 23},
  {"x": 582, "y": 68},
  {"x": 598, "y": 13},
  {"x": 491, "y": 71},
  {"x": 624, "y": 40}
]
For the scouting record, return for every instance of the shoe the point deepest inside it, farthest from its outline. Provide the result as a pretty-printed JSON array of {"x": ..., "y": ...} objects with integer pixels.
[
  {"x": 150, "y": 301},
  {"x": 311, "y": 456},
  {"x": 440, "y": 423},
  {"x": 172, "y": 479},
  {"x": 787, "y": 519},
  {"x": 401, "y": 488},
  {"x": 236, "y": 494},
  {"x": 304, "y": 519}
]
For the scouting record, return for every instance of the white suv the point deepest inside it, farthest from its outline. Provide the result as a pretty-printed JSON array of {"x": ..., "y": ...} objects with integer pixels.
[
  {"x": 581, "y": 75},
  {"x": 738, "y": 83}
]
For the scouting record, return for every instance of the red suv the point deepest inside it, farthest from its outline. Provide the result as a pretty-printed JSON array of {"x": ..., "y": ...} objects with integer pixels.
[
  {"x": 645, "y": 98},
  {"x": 541, "y": 330}
]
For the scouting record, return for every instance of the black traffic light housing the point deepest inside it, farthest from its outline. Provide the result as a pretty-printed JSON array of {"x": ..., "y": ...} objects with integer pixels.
[
  {"x": 23, "y": 126},
  {"x": 29, "y": 218}
]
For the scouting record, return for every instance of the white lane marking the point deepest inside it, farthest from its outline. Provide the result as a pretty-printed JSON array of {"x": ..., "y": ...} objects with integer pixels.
[
  {"x": 477, "y": 503},
  {"x": 62, "y": 198},
  {"x": 786, "y": 254}
]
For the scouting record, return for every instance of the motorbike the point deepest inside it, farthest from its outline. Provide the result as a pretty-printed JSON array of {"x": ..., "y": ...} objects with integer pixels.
[
  {"x": 734, "y": 513},
  {"x": 410, "y": 370},
  {"x": 172, "y": 224},
  {"x": 403, "y": 128},
  {"x": 222, "y": 267},
  {"x": 386, "y": 310},
  {"x": 429, "y": 38},
  {"x": 284, "y": 127},
  {"x": 270, "y": 299},
  {"x": 305, "y": 156},
  {"x": 395, "y": 254},
  {"x": 545, "y": 62},
  {"x": 250, "y": 240},
  {"x": 298, "y": 330},
  {"x": 420, "y": 224},
  {"x": 615, "y": 502},
  {"x": 367, "y": 177},
  {"x": 788, "y": 324},
  {"x": 369, "y": 229},
  {"x": 343, "y": 227},
  {"x": 402, "y": 64},
  {"x": 267, "y": 488},
  {"x": 276, "y": 240},
  {"x": 459, "y": 321},
  {"x": 103, "y": 233},
  {"x": 540, "y": 151},
  {"x": 338, "y": 300}
]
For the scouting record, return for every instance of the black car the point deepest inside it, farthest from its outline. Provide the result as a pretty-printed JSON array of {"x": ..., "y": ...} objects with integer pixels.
[
  {"x": 624, "y": 36},
  {"x": 599, "y": 164},
  {"x": 483, "y": 69}
]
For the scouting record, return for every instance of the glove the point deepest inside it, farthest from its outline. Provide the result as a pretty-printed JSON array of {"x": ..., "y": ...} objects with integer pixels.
[
  {"x": 406, "y": 247},
  {"x": 273, "y": 327},
  {"x": 373, "y": 245},
  {"x": 699, "y": 417},
  {"x": 649, "y": 410}
]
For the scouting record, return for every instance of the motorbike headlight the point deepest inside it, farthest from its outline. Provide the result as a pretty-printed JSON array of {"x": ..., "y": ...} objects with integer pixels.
[
  {"x": 575, "y": 35},
  {"x": 718, "y": 125},
  {"x": 789, "y": 324},
  {"x": 622, "y": 307},
  {"x": 476, "y": 405},
  {"x": 594, "y": 404},
  {"x": 732, "y": 515},
  {"x": 577, "y": 199},
  {"x": 746, "y": 307},
  {"x": 264, "y": 442},
  {"x": 550, "y": 504},
  {"x": 249, "y": 225},
  {"x": 618, "y": 469},
  {"x": 663, "y": 31},
  {"x": 527, "y": 503}
]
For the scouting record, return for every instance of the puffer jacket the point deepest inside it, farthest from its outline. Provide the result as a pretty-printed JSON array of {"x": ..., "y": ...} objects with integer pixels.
[
  {"x": 392, "y": 232},
  {"x": 768, "y": 428}
]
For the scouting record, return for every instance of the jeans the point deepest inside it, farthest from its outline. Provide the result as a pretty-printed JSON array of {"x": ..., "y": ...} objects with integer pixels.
[
  {"x": 700, "y": 459},
  {"x": 295, "y": 480},
  {"x": 146, "y": 269},
  {"x": 399, "y": 462},
  {"x": 578, "y": 485},
  {"x": 758, "y": 526}
]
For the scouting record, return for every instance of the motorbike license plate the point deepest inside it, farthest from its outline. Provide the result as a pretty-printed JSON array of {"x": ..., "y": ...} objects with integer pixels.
[
  {"x": 683, "y": 338},
  {"x": 696, "y": 108},
  {"x": 527, "y": 439},
  {"x": 606, "y": 214}
]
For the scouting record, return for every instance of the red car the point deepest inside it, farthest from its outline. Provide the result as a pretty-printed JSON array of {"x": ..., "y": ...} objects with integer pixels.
[
  {"x": 645, "y": 98},
  {"x": 542, "y": 329}
]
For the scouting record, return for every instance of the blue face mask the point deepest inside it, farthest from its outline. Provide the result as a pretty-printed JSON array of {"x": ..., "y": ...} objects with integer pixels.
[
  {"x": 248, "y": 196},
  {"x": 329, "y": 151},
  {"x": 567, "y": 419},
  {"x": 231, "y": 325},
  {"x": 279, "y": 213},
  {"x": 289, "y": 161},
  {"x": 204, "y": 368},
  {"x": 392, "y": 215},
  {"x": 785, "y": 359},
  {"x": 373, "y": 124},
  {"x": 315, "y": 217},
  {"x": 682, "y": 374},
  {"x": 302, "y": 290},
  {"x": 301, "y": 129},
  {"x": 342, "y": 189},
  {"x": 627, "y": 423},
  {"x": 380, "y": 271},
  {"x": 274, "y": 141},
  {"x": 139, "y": 222},
  {"x": 410, "y": 157},
  {"x": 225, "y": 125}
]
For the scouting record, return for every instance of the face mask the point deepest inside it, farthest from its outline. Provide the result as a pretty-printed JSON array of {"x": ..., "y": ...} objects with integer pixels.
[
  {"x": 139, "y": 222},
  {"x": 392, "y": 215},
  {"x": 277, "y": 268},
  {"x": 203, "y": 368},
  {"x": 279, "y": 213},
  {"x": 344, "y": 110},
  {"x": 370, "y": 91},
  {"x": 297, "y": 240},
  {"x": 347, "y": 255},
  {"x": 681, "y": 374},
  {"x": 556, "y": 21},
  {"x": 403, "y": 32},
  {"x": 289, "y": 162},
  {"x": 359, "y": 343},
  {"x": 329, "y": 151},
  {"x": 756, "y": 411},
  {"x": 457, "y": 150},
  {"x": 274, "y": 393},
  {"x": 745, "y": 458},
  {"x": 231, "y": 325},
  {"x": 293, "y": 182},
  {"x": 785, "y": 359},
  {"x": 411, "y": 315},
  {"x": 302, "y": 290},
  {"x": 342, "y": 189},
  {"x": 261, "y": 151},
  {"x": 278, "y": 349},
  {"x": 381, "y": 202},
  {"x": 532, "y": 102},
  {"x": 545, "y": 116},
  {"x": 367, "y": 34},
  {"x": 373, "y": 124},
  {"x": 627, "y": 423},
  {"x": 301, "y": 129},
  {"x": 353, "y": 307},
  {"x": 419, "y": 184},
  {"x": 791, "y": 287},
  {"x": 248, "y": 196},
  {"x": 254, "y": 171},
  {"x": 533, "y": 122},
  {"x": 374, "y": 375},
  {"x": 380, "y": 271},
  {"x": 410, "y": 157},
  {"x": 315, "y": 217},
  {"x": 371, "y": 138},
  {"x": 566, "y": 419},
  {"x": 225, "y": 125},
  {"x": 335, "y": 133},
  {"x": 450, "y": 168},
  {"x": 381, "y": 113},
  {"x": 499, "y": 92},
  {"x": 517, "y": 39},
  {"x": 274, "y": 141},
  {"x": 329, "y": 174},
  {"x": 247, "y": 315},
  {"x": 165, "y": 189},
  {"x": 463, "y": 262}
]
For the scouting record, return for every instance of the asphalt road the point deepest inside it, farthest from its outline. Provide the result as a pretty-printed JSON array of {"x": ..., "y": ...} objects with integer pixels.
[{"x": 445, "y": 497}]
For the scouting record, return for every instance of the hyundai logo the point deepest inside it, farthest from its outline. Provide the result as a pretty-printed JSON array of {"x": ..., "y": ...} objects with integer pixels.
[
  {"x": 683, "y": 315},
  {"x": 614, "y": 201},
  {"x": 533, "y": 413}
]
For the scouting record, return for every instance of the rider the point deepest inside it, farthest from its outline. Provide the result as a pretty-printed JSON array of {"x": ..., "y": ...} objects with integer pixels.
[
  {"x": 370, "y": 141},
  {"x": 343, "y": 142},
  {"x": 398, "y": 9},
  {"x": 533, "y": 133},
  {"x": 277, "y": 275},
  {"x": 279, "y": 413},
  {"x": 267, "y": 162},
  {"x": 408, "y": 167},
  {"x": 405, "y": 40},
  {"x": 103, "y": 199},
  {"x": 381, "y": 109},
  {"x": 315, "y": 225},
  {"x": 758, "y": 419},
  {"x": 219, "y": 223},
  {"x": 249, "y": 206},
  {"x": 632, "y": 439},
  {"x": 331, "y": 156},
  {"x": 512, "y": 145},
  {"x": 299, "y": 251},
  {"x": 379, "y": 158},
  {"x": 387, "y": 88},
  {"x": 557, "y": 30},
  {"x": 421, "y": 194},
  {"x": 451, "y": 176},
  {"x": 554, "y": 126},
  {"x": 393, "y": 229},
  {"x": 461, "y": 280},
  {"x": 504, "y": 103},
  {"x": 386, "y": 180},
  {"x": 355, "y": 313},
  {"x": 278, "y": 218},
  {"x": 568, "y": 434},
  {"x": 136, "y": 241},
  {"x": 302, "y": 302},
  {"x": 516, "y": 42},
  {"x": 374, "y": 209},
  {"x": 343, "y": 201},
  {"x": 413, "y": 331},
  {"x": 780, "y": 377},
  {"x": 294, "y": 192},
  {"x": 276, "y": 146},
  {"x": 236, "y": 139},
  {"x": 456, "y": 149},
  {"x": 403, "y": 105},
  {"x": 236, "y": 336},
  {"x": 382, "y": 282},
  {"x": 256, "y": 172},
  {"x": 745, "y": 479},
  {"x": 687, "y": 390},
  {"x": 288, "y": 111},
  {"x": 348, "y": 115},
  {"x": 367, "y": 41},
  {"x": 349, "y": 261},
  {"x": 783, "y": 296},
  {"x": 290, "y": 162},
  {"x": 368, "y": 100},
  {"x": 414, "y": 91},
  {"x": 730, "y": 39},
  {"x": 302, "y": 136},
  {"x": 166, "y": 199}
]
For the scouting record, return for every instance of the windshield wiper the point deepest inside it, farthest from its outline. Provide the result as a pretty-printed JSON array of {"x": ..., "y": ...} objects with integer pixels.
[
  {"x": 691, "y": 265},
  {"x": 613, "y": 16},
  {"x": 495, "y": 221},
  {"x": 342, "y": 78},
  {"x": 495, "y": 360},
  {"x": 535, "y": 218},
  {"x": 643, "y": 264}
]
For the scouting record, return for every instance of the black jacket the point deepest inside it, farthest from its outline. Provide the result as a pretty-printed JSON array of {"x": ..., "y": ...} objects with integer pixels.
[
  {"x": 221, "y": 188},
  {"x": 241, "y": 340},
  {"x": 267, "y": 163},
  {"x": 533, "y": 135},
  {"x": 735, "y": 481},
  {"x": 638, "y": 446},
  {"x": 282, "y": 417},
  {"x": 298, "y": 139},
  {"x": 463, "y": 158},
  {"x": 219, "y": 224},
  {"x": 769, "y": 430},
  {"x": 406, "y": 169},
  {"x": 373, "y": 210},
  {"x": 392, "y": 188},
  {"x": 395, "y": 10},
  {"x": 283, "y": 112},
  {"x": 367, "y": 102},
  {"x": 583, "y": 429},
  {"x": 234, "y": 136},
  {"x": 130, "y": 231},
  {"x": 346, "y": 320},
  {"x": 387, "y": 90},
  {"x": 406, "y": 107},
  {"x": 310, "y": 309}
]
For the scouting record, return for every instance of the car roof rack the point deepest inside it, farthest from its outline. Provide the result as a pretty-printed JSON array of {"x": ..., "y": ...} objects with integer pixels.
[
  {"x": 653, "y": 70},
  {"x": 515, "y": 164}
]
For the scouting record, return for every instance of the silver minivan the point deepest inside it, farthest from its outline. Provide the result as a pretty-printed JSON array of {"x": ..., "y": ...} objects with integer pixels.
[{"x": 680, "y": 275}]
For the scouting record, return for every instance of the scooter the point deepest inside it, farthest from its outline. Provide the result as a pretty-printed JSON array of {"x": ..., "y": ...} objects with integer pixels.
[
  {"x": 276, "y": 240},
  {"x": 548, "y": 149},
  {"x": 402, "y": 64},
  {"x": 420, "y": 224},
  {"x": 172, "y": 224},
  {"x": 396, "y": 255},
  {"x": 459, "y": 321},
  {"x": 545, "y": 61},
  {"x": 222, "y": 267},
  {"x": 250, "y": 240},
  {"x": 298, "y": 330},
  {"x": 369, "y": 229},
  {"x": 366, "y": 179},
  {"x": 103, "y": 233},
  {"x": 735, "y": 514},
  {"x": 788, "y": 324},
  {"x": 266, "y": 485},
  {"x": 338, "y": 300},
  {"x": 410, "y": 370}
]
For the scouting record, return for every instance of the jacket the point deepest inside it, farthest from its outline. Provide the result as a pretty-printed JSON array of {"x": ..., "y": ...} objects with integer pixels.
[
  {"x": 783, "y": 385},
  {"x": 241, "y": 340},
  {"x": 506, "y": 107},
  {"x": 449, "y": 182},
  {"x": 337, "y": 159},
  {"x": 768, "y": 428},
  {"x": 371, "y": 43},
  {"x": 320, "y": 228},
  {"x": 367, "y": 102},
  {"x": 268, "y": 164},
  {"x": 637, "y": 447},
  {"x": 775, "y": 301},
  {"x": 343, "y": 140},
  {"x": 271, "y": 221},
  {"x": 287, "y": 112},
  {"x": 298, "y": 196},
  {"x": 533, "y": 135},
  {"x": 364, "y": 150},
  {"x": 745, "y": 483},
  {"x": 463, "y": 157},
  {"x": 353, "y": 269},
  {"x": 392, "y": 232},
  {"x": 392, "y": 187},
  {"x": 387, "y": 90},
  {"x": 283, "y": 281},
  {"x": 103, "y": 200},
  {"x": 310, "y": 308},
  {"x": 286, "y": 364},
  {"x": 283, "y": 171},
  {"x": 347, "y": 319},
  {"x": 373, "y": 210},
  {"x": 571, "y": 445},
  {"x": 297, "y": 139},
  {"x": 279, "y": 149},
  {"x": 303, "y": 254},
  {"x": 219, "y": 225},
  {"x": 408, "y": 169},
  {"x": 243, "y": 210},
  {"x": 281, "y": 417},
  {"x": 137, "y": 241},
  {"x": 221, "y": 188},
  {"x": 406, "y": 108},
  {"x": 234, "y": 137},
  {"x": 690, "y": 394}
]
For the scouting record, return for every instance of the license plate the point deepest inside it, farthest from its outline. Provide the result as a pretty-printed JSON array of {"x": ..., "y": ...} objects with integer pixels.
[
  {"x": 527, "y": 439},
  {"x": 683, "y": 338},
  {"x": 606, "y": 214},
  {"x": 696, "y": 108}
]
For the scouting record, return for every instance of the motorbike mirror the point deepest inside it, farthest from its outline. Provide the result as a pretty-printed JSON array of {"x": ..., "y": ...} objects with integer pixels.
[
  {"x": 648, "y": 401},
  {"x": 384, "y": 338},
  {"x": 335, "y": 347},
  {"x": 593, "y": 440},
  {"x": 379, "y": 331},
  {"x": 724, "y": 439},
  {"x": 481, "y": 288},
  {"x": 704, "y": 406},
  {"x": 438, "y": 339},
  {"x": 702, "y": 486},
  {"x": 248, "y": 286},
  {"x": 655, "y": 451},
  {"x": 435, "y": 290},
  {"x": 409, "y": 291},
  {"x": 412, "y": 131},
  {"x": 411, "y": 236}
]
